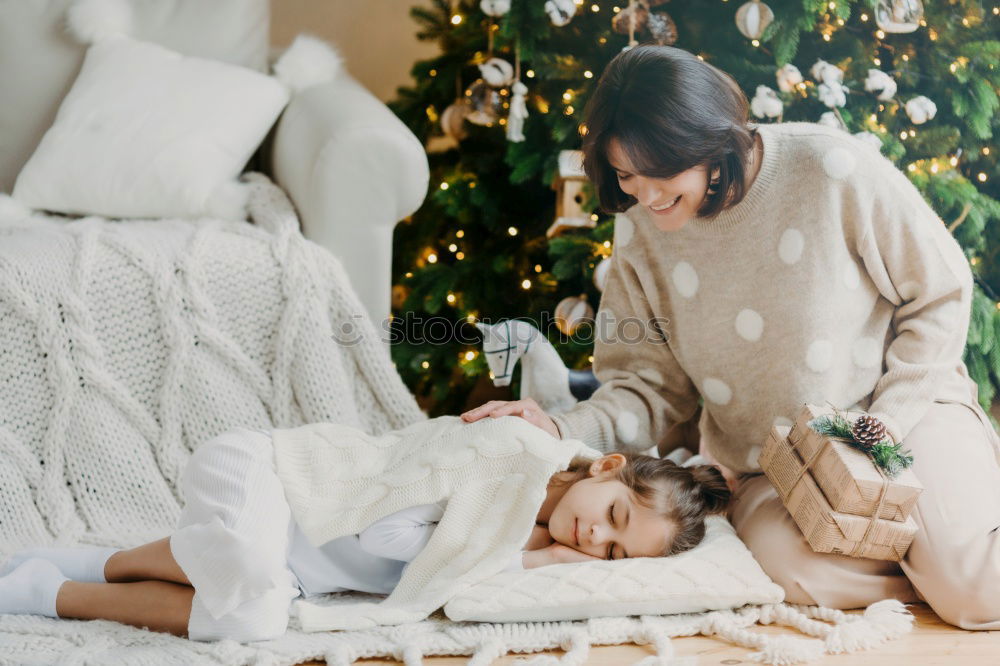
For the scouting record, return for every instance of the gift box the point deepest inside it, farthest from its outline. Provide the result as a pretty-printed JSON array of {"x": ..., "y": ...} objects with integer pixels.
[
  {"x": 847, "y": 476},
  {"x": 825, "y": 529}
]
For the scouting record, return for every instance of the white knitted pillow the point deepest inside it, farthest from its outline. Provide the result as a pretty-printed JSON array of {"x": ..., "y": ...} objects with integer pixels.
[{"x": 719, "y": 573}]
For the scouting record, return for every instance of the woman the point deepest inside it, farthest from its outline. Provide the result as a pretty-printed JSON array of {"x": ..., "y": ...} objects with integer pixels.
[{"x": 794, "y": 264}]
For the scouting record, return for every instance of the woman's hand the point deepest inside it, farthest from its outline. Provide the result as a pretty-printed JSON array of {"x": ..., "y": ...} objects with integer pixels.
[
  {"x": 557, "y": 553},
  {"x": 527, "y": 409},
  {"x": 539, "y": 538}
]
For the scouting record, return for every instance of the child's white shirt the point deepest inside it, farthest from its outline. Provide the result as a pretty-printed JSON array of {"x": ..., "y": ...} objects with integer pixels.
[{"x": 371, "y": 561}]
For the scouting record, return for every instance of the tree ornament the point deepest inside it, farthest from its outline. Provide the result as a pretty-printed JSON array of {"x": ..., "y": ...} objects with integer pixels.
[
  {"x": 788, "y": 77},
  {"x": 826, "y": 73},
  {"x": 753, "y": 18},
  {"x": 573, "y": 311},
  {"x": 899, "y": 15},
  {"x": 453, "y": 120},
  {"x": 662, "y": 28},
  {"x": 569, "y": 184},
  {"x": 601, "y": 273},
  {"x": 400, "y": 292},
  {"x": 495, "y": 8},
  {"x": 832, "y": 95},
  {"x": 631, "y": 19},
  {"x": 497, "y": 72},
  {"x": 484, "y": 103},
  {"x": 766, "y": 103},
  {"x": 518, "y": 113},
  {"x": 830, "y": 119},
  {"x": 868, "y": 431},
  {"x": 881, "y": 83},
  {"x": 920, "y": 109},
  {"x": 560, "y": 12}
]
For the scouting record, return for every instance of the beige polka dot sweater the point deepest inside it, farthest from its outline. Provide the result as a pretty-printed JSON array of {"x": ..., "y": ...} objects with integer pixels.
[{"x": 832, "y": 281}]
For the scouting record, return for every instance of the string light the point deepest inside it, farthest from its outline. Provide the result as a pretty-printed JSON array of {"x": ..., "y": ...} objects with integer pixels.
[
  {"x": 471, "y": 318},
  {"x": 826, "y": 37},
  {"x": 602, "y": 40},
  {"x": 538, "y": 268},
  {"x": 460, "y": 255},
  {"x": 877, "y": 62},
  {"x": 526, "y": 284},
  {"x": 607, "y": 243},
  {"x": 981, "y": 177},
  {"x": 425, "y": 365},
  {"x": 433, "y": 72},
  {"x": 460, "y": 233},
  {"x": 456, "y": 19},
  {"x": 912, "y": 167},
  {"x": 512, "y": 231},
  {"x": 864, "y": 17},
  {"x": 453, "y": 247},
  {"x": 906, "y": 58},
  {"x": 568, "y": 95},
  {"x": 880, "y": 34},
  {"x": 408, "y": 274},
  {"x": 569, "y": 110},
  {"x": 913, "y": 133},
  {"x": 432, "y": 258},
  {"x": 757, "y": 42},
  {"x": 588, "y": 74},
  {"x": 902, "y": 135},
  {"x": 595, "y": 8},
  {"x": 590, "y": 358},
  {"x": 986, "y": 150},
  {"x": 934, "y": 168},
  {"x": 470, "y": 355},
  {"x": 450, "y": 298},
  {"x": 953, "y": 161},
  {"x": 444, "y": 186},
  {"x": 530, "y": 74},
  {"x": 472, "y": 184}
]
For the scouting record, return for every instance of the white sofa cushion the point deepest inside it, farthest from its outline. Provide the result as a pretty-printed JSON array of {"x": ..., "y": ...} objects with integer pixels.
[
  {"x": 719, "y": 573},
  {"x": 148, "y": 132}
]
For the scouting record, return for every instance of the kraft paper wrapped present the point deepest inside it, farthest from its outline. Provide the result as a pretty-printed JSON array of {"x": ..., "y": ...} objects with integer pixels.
[
  {"x": 848, "y": 478},
  {"x": 827, "y": 530}
]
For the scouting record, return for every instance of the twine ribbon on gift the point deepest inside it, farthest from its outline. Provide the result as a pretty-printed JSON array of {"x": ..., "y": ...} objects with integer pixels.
[{"x": 870, "y": 530}]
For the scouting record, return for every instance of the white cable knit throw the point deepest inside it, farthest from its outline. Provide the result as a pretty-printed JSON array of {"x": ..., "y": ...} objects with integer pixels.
[{"x": 128, "y": 344}]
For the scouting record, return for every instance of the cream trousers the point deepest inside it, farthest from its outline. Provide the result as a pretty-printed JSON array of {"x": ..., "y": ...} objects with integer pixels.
[{"x": 954, "y": 561}]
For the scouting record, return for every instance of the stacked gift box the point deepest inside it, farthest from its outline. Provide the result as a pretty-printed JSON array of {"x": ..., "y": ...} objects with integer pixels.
[{"x": 833, "y": 490}]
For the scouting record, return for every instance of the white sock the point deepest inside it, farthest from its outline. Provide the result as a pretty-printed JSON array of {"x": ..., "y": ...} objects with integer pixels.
[
  {"x": 31, "y": 589},
  {"x": 83, "y": 564}
]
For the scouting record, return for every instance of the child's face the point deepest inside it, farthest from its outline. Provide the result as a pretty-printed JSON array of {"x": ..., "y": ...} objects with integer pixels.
[{"x": 583, "y": 518}]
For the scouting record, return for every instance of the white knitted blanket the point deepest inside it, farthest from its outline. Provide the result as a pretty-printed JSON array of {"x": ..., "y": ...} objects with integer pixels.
[{"x": 127, "y": 344}]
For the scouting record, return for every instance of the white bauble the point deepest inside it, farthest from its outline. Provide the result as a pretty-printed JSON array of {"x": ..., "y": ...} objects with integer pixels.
[
  {"x": 495, "y": 8},
  {"x": 920, "y": 110},
  {"x": 497, "y": 72},
  {"x": 788, "y": 77},
  {"x": 766, "y": 103},
  {"x": 881, "y": 83},
  {"x": 601, "y": 273},
  {"x": 560, "y": 12}
]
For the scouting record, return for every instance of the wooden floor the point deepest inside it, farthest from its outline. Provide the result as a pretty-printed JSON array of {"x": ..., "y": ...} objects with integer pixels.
[{"x": 932, "y": 642}]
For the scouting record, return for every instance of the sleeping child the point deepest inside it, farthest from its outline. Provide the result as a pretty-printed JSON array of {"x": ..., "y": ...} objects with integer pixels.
[{"x": 416, "y": 514}]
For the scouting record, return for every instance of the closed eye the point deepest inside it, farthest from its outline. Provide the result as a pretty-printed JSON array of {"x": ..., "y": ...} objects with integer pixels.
[
  {"x": 621, "y": 177},
  {"x": 611, "y": 518}
]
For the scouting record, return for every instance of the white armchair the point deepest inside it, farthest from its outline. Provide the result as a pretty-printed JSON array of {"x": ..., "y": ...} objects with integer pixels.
[{"x": 351, "y": 168}]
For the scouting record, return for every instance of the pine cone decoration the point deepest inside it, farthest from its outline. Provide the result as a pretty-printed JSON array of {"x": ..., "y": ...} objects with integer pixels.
[{"x": 868, "y": 431}]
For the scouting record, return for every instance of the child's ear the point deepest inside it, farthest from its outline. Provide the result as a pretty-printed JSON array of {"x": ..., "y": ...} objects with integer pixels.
[{"x": 609, "y": 463}]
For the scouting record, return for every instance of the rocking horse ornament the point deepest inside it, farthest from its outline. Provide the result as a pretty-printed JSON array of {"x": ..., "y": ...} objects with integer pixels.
[{"x": 544, "y": 376}]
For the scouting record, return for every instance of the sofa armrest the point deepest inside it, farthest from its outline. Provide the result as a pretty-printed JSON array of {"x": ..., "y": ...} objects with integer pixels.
[{"x": 353, "y": 171}]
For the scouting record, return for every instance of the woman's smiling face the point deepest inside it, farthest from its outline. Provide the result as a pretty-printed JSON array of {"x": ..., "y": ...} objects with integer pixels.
[{"x": 671, "y": 202}]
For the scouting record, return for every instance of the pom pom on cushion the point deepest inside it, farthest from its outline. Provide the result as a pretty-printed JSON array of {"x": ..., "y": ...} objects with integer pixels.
[
  {"x": 307, "y": 62},
  {"x": 90, "y": 21}
]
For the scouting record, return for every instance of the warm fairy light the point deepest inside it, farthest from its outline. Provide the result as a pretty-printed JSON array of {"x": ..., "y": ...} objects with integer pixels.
[
  {"x": 512, "y": 231},
  {"x": 864, "y": 17},
  {"x": 981, "y": 177},
  {"x": 986, "y": 150},
  {"x": 453, "y": 247},
  {"x": 471, "y": 318},
  {"x": 593, "y": 216},
  {"x": 840, "y": 21},
  {"x": 880, "y": 34},
  {"x": 456, "y": 19},
  {"x": 902, "y": 135},
  {"x": 756, "y": 42},
  {"x": 913, "y": 133},
  {"x": 460, "y": 255},
  {"x": 881, "y": 107},
  {"x": 526, "y": 284},
  {"x": 425, "y": 365},
  {"x": 569, "y": 110},
  {"x": 974, "y": 261},
  {"x": 877, "y": 61},
  {"x": 502, "y": 121},
  {"x": 432, "y": 258},
  {"x": 826, "y": 38},
  {"x": 616, "y": 9},
  {"x": 472, "y": 184},
  {"x": 602, "y": 40},
  {"x": 832, "y": 5},
  {"x": 873, "y": 118},
  {"x": 965, "y": 22},
  {"x": 531, "y": 73},
  {"x": 607, "y": 243},
  {"x": 701, "y": 57},
  {"x": 595, "y": 8},
  {"x": 460, "y": 233},
  {"x": 433, "y": 72},
  {"x": 906, "y": 58},
  {"x": 444, "y": 186},
  {"x": 582, "y": 129},
  {"x": 590, "y": 358},
  {"x": 932, "y": 34},
  {"x": 588, "y": 74},
  {"x": 568, "y": 95},
  {"x": 538, "y": 268},
  {"x": 953, "y": 67},
  {"x": 996, "y": 10},
  {"x": 469, "y": 355},
  {"x": 408, "y": 274},
  {"x": 953, "y": 161},
  {"x": 934, "y": 168},
  {"x": 450, "y": 298},
  {"x": 912, "y": 167},
  {"x": 543, "y": 106}
]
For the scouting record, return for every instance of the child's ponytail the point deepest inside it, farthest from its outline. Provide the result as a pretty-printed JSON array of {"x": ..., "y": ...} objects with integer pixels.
[{"x": 714, "y": 489}]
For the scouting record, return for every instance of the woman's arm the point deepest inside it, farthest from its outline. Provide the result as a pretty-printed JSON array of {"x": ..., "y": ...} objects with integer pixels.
[
  {"x": 918, "y": 266},
  {"x": 401, "y": 535}
]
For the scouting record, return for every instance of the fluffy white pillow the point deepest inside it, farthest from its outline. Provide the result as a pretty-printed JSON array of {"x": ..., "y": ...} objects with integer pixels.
[
  {"x": 147, "y": 132},
  {"x": 719, "y": 573}
]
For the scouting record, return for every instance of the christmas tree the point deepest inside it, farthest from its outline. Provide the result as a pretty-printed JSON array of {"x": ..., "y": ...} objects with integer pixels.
[{"x": 920, "y": 80}]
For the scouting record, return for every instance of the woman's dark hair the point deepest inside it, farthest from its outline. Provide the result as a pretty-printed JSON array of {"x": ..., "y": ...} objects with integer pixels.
[
  {"x": 669, "y": 111},
  {"x": 682, "y": 495}
]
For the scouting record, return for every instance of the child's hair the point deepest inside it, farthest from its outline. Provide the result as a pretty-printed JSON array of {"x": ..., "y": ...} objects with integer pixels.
[
  {"x": 682, "y": 495},
  {"x": 670, "y": 111}
]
